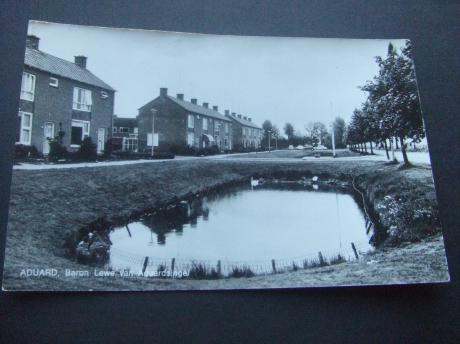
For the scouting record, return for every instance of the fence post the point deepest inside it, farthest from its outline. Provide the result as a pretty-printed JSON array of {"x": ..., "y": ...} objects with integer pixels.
[
  {"x": 146, "y": 261},
  {"x": 321, "y": 259},
  {"x": 173, "y": 263},
  {"x": 274, "y": 266},
  {"x": 219, "y": 268},
  {"x": 354, "y": 250}
]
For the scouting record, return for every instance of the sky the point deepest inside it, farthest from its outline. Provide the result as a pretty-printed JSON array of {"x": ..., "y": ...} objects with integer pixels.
[{"x": 282, "y": 79}]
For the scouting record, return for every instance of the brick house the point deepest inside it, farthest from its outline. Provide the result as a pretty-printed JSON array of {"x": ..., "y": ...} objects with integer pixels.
[
  {"x": 125, "y": 133},
  {"x": 246, "y": 134},
  {"x": 179, "y": 123},
  {"x": 61, "y": 98}
]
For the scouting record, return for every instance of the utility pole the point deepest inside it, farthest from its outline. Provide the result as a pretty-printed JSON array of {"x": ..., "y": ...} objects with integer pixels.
[{"x": 153, "y": 129}]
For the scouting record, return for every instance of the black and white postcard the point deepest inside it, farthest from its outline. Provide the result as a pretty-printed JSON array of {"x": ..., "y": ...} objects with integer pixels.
[{"x": 150, "y": 160}]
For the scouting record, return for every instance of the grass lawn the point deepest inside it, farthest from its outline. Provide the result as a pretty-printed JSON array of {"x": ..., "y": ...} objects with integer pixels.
[{"x": 48, "y": 207}]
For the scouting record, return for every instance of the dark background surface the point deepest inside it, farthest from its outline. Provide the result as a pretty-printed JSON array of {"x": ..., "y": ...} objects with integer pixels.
[{"x": 428, "y": 313}]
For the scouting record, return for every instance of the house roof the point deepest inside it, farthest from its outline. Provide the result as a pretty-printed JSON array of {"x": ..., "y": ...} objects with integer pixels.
[
  {"x": 124, "y": 121},
  {"x": 57, "y": 66},
  {"x": 244, "y": 122},
  {"x": 198, "y": 109}
]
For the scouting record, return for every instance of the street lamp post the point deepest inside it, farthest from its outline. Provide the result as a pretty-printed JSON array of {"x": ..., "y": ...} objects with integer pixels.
[
  {"x": 333, "y": 140},
  {"x": 154, "y": 111},
  {"x": 269, "y": 138}
]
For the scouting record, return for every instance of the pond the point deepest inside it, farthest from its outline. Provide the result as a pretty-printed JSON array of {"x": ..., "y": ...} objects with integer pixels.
[{"x": 244, "y": 224}]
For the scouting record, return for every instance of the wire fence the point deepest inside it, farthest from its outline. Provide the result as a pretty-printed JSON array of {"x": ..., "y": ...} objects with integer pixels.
[{"x": 202, "y": 269}]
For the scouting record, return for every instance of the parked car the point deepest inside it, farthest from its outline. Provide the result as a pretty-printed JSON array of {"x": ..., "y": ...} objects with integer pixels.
[
  {"x": 299, "y": 147},
  {"x": 320, "y": 147},
  {"x": 291, "y": 147}
]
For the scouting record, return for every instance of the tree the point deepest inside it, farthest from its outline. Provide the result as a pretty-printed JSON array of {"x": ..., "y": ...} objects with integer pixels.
[
  {"x": 267, "y": 127},
  {"x": 392, "y": 109},
  {"x": 289, "y": 131},
  {"x": 317, "y": 132},
  {"x": 339, "y": 130}
]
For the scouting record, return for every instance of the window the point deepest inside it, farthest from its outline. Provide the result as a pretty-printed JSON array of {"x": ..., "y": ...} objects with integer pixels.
[
  {"x": 205, "y": 123},
  {"x": 123, "y": 130},
  {"x": 226, "y": 128},
  {"x": 104, "y": 95},
  {"x": 130, "y": 144},
  {"x": 114, "y": 129},
  {"x": 136, "y": 130},
  {"x": 82, "y": 99},
  {"x": 191, "y": 139},
  {"x": 25, "y": 128},
  {"x": 28, "y": 86},
  {"x": 54, "y": 82},
  {"x": 217, "y": 127},
  {"x": 191, "y": 121},
  {"x": 80, "y": 130}
]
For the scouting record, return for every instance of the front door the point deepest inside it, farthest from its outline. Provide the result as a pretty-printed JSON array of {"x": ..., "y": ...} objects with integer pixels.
[
  {"x": 48, "y": 134},
  {"x": 100, "y": 140}
]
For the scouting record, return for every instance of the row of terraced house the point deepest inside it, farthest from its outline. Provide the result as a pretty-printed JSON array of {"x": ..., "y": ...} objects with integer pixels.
[{"x": 64, "y": 99}]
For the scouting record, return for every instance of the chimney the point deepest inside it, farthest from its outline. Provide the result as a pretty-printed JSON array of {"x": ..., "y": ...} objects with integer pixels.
[
  {"x": 205, "y": 105},
  {"x": 180, "y": 96},
  {"x": 215, "y": 108},
  {"x": 249, "y": 119},
  {"x": 239, "y": 116},
  {"x": 227, "y": 112},
  {"x": 245, "y": 118},
  {"x": 233, "y": 114},
  {"x": 194, "y": 101},
  {"x": 32, "y": 42},
  {"x": 163, "y": 92},
  {"x": 80, "y": 61}
]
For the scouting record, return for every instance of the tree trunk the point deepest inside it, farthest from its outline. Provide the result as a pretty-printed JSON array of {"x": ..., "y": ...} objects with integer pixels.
[
  {"x": 396, "y": 142},
  {"x": 365, "y": 147},
  {"x": 403, "y": 151},
  {"x": 372, "y": 151},
  {"x": 386, "y": 149}
]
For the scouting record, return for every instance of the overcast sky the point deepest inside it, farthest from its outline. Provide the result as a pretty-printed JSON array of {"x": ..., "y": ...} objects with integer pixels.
[{"x": 281, "y": 79}]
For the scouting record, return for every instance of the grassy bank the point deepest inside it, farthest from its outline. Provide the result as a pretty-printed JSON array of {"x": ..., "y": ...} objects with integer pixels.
[{"x": 48, "y": 207}]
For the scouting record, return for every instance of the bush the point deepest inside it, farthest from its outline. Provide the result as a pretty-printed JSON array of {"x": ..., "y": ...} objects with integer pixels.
[
  {"x": 23, "y": 152},
  {"x": 110, "y": 147},
  {"x": 87, "y": 151},
  {"x": 57, "y": 151},
  {"x": 193, "y": 151}
]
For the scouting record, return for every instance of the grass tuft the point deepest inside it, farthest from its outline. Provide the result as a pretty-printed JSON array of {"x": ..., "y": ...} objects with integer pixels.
[{"x": 244, "y": 271}]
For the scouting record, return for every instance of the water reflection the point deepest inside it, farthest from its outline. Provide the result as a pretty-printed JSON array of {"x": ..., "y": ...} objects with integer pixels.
[
  {"x": 174, "y": 218},
  {"x": 271, "y": 221}
]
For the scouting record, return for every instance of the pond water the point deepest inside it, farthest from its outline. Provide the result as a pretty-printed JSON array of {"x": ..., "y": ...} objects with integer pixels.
[{"x": 244, "y": 225}]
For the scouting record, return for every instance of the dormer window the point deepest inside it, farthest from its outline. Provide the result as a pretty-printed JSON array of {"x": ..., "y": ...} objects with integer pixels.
[
  {"x": 82, "y": 99},
  {"x": 54, "y": 82}
]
